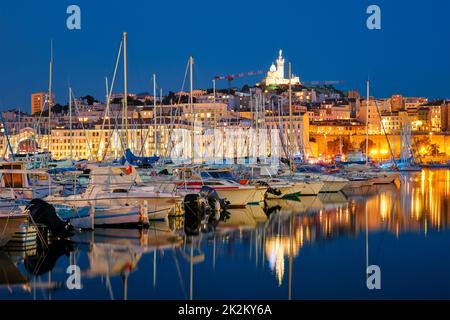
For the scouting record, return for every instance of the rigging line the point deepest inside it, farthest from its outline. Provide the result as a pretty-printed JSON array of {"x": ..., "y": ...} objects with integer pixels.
[
  {"x": 140, "y": 126},
  {"x": 36, "y": 126},
  {"x": 116, "y": 128},
  {"x": 378, "y": 250},
  {"x": 110, "y": 135},
  {"x": 111, "y": 89},
  {"x": 385, "y": 134},
  {"x": 82, "y": 125},
  {"x": 180, "y": 276},
  {"x": 148, "y": 133},
  {"x": 178, "y": 109}
]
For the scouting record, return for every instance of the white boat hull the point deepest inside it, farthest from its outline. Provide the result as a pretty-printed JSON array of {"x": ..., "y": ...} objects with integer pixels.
[
  {"x": 385, "y": 178},
  {"x": 157, "y": 207},
  {"x": 237, "y": 196},
  {"x": 333, "y": 186},
  {"x": 242, "y": 197},
  {"x": 120, "y": 216},
  {"x": 359, "y": 184}
]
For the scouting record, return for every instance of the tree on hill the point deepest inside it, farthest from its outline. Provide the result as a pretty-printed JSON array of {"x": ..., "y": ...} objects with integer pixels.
[
  {"x": 362, "y": 145},
  {"x": 89, "y": 99}
]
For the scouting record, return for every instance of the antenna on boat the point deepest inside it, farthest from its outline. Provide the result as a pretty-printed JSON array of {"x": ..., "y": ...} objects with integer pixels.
[
  {"x": 291, "y": 125},
  {"x": 367, "y": 121},
  {"x": 154, "y": 113},
  {"x": 160, "y": 119},
  {"x": 191, "y": 108},
  {"x": 125, "y": 88},
  {"x": 70, "y": 123},
  {"x": 50, "y": 96}
]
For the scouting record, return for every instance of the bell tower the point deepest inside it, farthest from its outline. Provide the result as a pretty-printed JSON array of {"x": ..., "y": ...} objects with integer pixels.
[{"x": 280, "y": 65}]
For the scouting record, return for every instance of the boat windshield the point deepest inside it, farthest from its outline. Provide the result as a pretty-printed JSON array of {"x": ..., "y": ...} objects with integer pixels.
[
  {"x": 205, "y": 175},
  {"x": 220, "y": 175},
  {"x": 310, "y": 169}
]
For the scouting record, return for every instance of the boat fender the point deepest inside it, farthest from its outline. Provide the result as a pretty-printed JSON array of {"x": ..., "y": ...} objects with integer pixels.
[
  {"x": 144, "y": 213},
  {"x": 217, "y": 210}
]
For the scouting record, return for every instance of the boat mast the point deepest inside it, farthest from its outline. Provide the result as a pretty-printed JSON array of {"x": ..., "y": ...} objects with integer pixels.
[
  {"x": 70, "y": 123},
  {"x": 154, "y": 114},
  {"x": 160, "y": 119},
  {"x": 291, "y": 125},
  {"x": 125, "y": 87},
  {"x": 50, "y": 96},
  {"x": 215, "y": 123},
  {"x": 367, "y": 121},
  {"x": 191, "y": 108},
  {"x": 107, "y": 117}
]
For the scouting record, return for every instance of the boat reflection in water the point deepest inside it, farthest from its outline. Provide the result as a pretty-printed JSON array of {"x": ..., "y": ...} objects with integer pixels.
[{"x": 311, "y": 247}]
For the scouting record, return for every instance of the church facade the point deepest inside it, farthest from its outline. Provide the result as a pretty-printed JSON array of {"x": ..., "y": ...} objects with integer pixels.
[{"x": 276, "y": 74}]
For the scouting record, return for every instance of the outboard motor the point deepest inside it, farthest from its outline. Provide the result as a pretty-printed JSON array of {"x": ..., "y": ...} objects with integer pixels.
[
  {"x": 204, "y": 211},
  {"x": 44, "y": 213},
  {"x": 216, "y": 204}
]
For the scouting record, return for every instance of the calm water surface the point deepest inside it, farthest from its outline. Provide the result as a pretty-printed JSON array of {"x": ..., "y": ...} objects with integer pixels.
[{"x": 314, "y": 248}]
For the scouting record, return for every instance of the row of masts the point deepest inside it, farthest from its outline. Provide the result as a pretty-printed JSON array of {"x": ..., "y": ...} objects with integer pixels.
[{"x": 125, "y": 120}]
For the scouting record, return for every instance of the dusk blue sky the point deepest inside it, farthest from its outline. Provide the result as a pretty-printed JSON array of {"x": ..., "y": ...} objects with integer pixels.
[{"x": 324, "y": 40}]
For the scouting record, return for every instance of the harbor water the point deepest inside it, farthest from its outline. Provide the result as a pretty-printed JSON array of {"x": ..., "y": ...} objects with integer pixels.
[{"x": 305, "y": 248}]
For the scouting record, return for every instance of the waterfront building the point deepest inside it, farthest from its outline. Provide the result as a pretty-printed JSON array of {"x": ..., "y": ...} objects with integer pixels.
[
  {"x": 195, "y": 93},
  {"x": 435, "y": 115},
  {"x": 413, "y": 103},
  {"x": 39, "y": 101},
  {"x": 397, "y": 102},
  {"x": 330, "y": 112},
  {"x": 445, "y": 116},
  {"x": 306, "y": 95},
  {"x": 375, "y": 108},
  {"x": 395, "y": 121}
]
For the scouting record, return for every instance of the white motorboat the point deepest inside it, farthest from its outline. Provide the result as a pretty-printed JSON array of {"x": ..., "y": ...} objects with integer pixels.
[
  {"x": 112, "y": 187},
  {"x": 237, "y": 194}
]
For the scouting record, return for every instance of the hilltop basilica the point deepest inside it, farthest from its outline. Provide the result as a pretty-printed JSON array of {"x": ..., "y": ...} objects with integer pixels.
[{"x": 275, "y": 75}]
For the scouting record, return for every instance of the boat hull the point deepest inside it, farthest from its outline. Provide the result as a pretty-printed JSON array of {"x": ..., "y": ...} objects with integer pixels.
[
  {"x": 295, "y": 189},
  {"x": 120, "y": 216},
  {"x": 333, "y": 186},
  {"x": 237, "y": 196},
  {"x": 157, "y": 207},
  {"x": 9, "y": 225},
  {"x": 242, "y": 197},
  {"x": 385, "y": 178}
]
